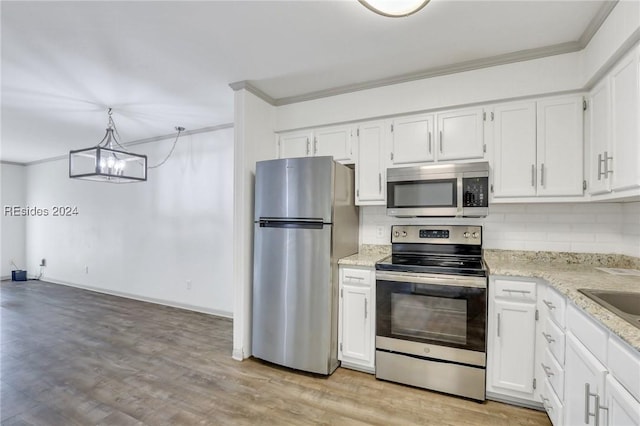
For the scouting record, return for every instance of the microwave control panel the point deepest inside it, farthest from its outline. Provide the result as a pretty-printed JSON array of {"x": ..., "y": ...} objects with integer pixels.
[{"x": 475, "y": 192}]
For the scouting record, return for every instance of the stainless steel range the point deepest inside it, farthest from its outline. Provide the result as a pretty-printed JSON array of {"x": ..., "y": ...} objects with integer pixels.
[{"x": 431, "y": 310}]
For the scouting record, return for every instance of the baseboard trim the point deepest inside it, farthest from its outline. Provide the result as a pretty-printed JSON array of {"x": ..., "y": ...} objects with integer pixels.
[
  {"x": 512, "y": 400},
  {"x": 238, "y": 354},
  {"x": 5, "y": 278},
  {"x": 163, "y": 302}
]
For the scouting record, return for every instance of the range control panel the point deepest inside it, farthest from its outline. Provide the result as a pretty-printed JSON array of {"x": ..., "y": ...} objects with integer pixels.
[
  {"x": 437, "y": 234},
  {"x": 434, "y": 233}
]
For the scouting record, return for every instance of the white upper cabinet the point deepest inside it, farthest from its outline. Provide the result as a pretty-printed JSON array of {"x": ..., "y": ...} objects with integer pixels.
[
  {"x": 614, "y": 132},
  {"x": 599, "y": 138},
  {"x": 538, "y": 148},
  {"x": 460, "y": 134},
  {"x": 412, "y": 140},
  {"x": 560, "y": 146},
  {"x": 624, "y": 166},
  {"x": 370, "y": 163},
  {"x": 295, "y": 144},
  {"x": 515, "y": 150},
  {"x": 335, "y": 141}
]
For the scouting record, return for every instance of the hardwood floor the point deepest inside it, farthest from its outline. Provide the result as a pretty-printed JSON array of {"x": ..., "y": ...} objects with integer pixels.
[{"x": 75, "y": 357}]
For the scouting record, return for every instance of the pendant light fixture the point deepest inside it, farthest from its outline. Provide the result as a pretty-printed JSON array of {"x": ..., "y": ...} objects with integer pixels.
[
  {"x": 394, "y": 8},
  {"x": 111, "y": 162}
]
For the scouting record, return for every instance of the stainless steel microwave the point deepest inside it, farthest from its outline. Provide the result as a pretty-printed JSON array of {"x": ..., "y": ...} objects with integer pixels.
[{"x": 451, "y": 190}]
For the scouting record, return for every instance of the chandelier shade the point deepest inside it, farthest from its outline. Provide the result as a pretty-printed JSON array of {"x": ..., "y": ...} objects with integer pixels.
[
  {"x": 104, "y": 163},
  {"x": 107, "y": 165}
]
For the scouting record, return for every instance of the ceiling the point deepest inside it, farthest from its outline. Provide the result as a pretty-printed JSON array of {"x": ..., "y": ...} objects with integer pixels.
[{"x": 163, "y": 64}]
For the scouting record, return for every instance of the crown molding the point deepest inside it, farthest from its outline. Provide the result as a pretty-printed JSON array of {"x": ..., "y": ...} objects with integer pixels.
[
  {"x": 513, "y": 57},
  {"x": 139, "y": 142},
  {"x": 246, "y": 84},
  {"x": 507, "y": 58},
  {"x": 597, "y": 22},
  {"x": 12, "y": 163}
]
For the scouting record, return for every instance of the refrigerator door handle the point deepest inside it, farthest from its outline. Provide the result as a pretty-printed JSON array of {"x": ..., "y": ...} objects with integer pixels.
[{"x": 310, "y": 223}]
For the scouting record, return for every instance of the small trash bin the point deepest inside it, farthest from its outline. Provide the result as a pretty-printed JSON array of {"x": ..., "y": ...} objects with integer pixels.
[{"x": 18, "y": 275}]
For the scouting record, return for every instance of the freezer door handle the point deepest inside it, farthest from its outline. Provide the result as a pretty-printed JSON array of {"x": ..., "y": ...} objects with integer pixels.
[{"x": 313, "y": 223}]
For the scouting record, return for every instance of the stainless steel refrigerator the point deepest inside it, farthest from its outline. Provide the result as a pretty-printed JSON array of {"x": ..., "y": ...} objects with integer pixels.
[{"x": 305, "y": 220}]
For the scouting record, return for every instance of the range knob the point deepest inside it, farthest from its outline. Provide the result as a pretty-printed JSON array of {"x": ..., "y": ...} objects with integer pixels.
[
  {"x": 404, "y": 233},
  {"x": 475, "y": 235},
  {"x": 466, "y": 235},
  {"x": 396, "y": 234}
]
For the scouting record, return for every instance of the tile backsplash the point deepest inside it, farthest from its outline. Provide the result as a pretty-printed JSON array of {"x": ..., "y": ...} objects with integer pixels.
[{"x": 570, "y": 227}]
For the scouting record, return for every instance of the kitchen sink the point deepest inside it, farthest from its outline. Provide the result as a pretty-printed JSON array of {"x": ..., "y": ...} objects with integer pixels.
[{"x": 625, "y": 304}]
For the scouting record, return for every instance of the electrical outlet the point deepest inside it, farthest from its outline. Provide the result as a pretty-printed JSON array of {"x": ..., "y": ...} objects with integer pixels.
[
  {"x": 188, "y": 284},
  {"x": 380, "y": 232},
  {"x": 86, "y": 269}
]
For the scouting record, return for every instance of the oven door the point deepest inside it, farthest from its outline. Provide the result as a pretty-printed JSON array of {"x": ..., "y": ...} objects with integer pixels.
[{"x": 430, "y": 315}]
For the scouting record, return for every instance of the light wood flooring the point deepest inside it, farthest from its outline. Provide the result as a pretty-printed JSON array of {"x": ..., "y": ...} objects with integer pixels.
[{"x": 75, "y": 357}]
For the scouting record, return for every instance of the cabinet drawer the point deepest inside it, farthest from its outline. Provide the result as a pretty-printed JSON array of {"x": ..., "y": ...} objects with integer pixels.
[
  {"x": 357, "y": 276},
  {"x": 554, "y": 373},
  {"x": 593, "y": 336},
  {"x": 624, "y": 365},
  {"x": 513, "y": 289},
  {"x": 551, "y": 403},
  {"x": 554, "y": 303},
  {"x": 554, "y": 336}
]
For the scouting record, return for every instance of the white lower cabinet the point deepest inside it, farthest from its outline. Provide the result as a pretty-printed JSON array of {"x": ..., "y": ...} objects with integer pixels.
[
  {"x": 584, "y": 384},
  {"x": 356, "y": 331},
  {"x": 511, "y": 339},
  {"x": 622, "y": 408}
]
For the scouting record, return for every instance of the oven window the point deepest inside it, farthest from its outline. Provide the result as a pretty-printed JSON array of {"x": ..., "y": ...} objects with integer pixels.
[
  {"x": 437, "y": 193},
  {"x": 434, "y": 318},
  {"x": 433, "y": 314}
]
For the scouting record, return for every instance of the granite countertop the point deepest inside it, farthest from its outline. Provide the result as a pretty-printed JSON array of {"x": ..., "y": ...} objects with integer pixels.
[
  {"x": 368, "y": 255},
  {"x": 568, "y": 272}
]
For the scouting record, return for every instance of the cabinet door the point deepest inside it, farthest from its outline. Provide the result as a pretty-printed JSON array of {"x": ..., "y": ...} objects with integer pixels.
[
  {"x": 370, "y": 167},
  {"x": 599, "y": 137},
  {"x": 294, "y": 144},
  {"x": 412, "y": 139},
  {"x": 356, "y": 324},
  {"x": 560, "y": 146},
  {"x": 625, "y": 110},
  {"x": 584, "y": 379},
  {"x": 334, "y": 141},
  {"x": 622, "y": 409},
  {"x": 514, "y": 348},
  {"x": 515, "y": 150},
  {"x": 460, "y": 134}
]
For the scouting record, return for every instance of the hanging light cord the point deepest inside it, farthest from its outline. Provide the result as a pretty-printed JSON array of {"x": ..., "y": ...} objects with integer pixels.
[{"x": 180, "y": 130}]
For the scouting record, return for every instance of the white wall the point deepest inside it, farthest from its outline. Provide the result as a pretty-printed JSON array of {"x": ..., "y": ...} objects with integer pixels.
[
  {"x": 143, "y": 240},
  {"x": 12, "y": 229},
  {"x": 528, "y": 78},
  {"x": 254, "y": 141},
  {"x": 571, "y": 227}
]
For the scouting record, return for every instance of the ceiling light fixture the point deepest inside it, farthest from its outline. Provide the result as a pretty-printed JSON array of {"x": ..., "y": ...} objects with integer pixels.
[
  {"x": 106, "y": 163},
  {"x": 394, "y": 8}
]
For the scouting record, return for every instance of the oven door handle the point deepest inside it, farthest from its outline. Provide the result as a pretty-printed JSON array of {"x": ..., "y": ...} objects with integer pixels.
[{"x": 458, "y": 281}]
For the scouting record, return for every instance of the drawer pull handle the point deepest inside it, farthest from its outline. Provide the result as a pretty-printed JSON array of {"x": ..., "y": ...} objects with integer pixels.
[
  {"x": 547, "y": 370},
  {"x": 587, "y": 409},
  {"x": 351, "y": 277},
  {"x": 549, "y": 304},
  {"x": 508, "y": 290},
  {"x": 548, "y": 337}
]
